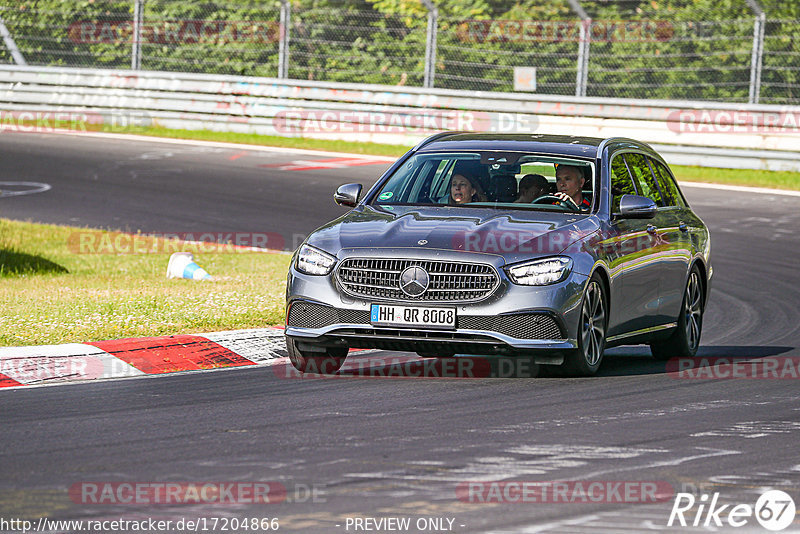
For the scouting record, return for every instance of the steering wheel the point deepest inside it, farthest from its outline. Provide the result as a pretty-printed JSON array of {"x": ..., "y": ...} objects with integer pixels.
[{"x": 552, "y": 199}]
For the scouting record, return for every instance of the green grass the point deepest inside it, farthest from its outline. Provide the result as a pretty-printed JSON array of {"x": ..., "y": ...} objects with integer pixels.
[
  {"x": 51, "y": 293},
  {"x": 752, "y": 178},
  {"x": 770, "y": 179}
]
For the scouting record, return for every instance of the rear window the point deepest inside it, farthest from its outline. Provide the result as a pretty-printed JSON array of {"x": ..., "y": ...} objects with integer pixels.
[
  {"x": 645, "y": 182},
  {"x": 669, "y": 189}
]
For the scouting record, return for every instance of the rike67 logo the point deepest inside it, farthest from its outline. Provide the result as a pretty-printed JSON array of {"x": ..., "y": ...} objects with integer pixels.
[{"x": 774, "y": 510}]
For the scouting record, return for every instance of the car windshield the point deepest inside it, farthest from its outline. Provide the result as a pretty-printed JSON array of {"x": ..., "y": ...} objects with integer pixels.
[{"x": 491, "y": 180}]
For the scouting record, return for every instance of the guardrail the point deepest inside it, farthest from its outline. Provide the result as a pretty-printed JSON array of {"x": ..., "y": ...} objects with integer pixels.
[{"x": 690, "y": 133}]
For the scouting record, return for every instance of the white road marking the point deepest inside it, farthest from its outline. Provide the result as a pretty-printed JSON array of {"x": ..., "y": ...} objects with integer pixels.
[
  {"x": 35, "y": 187},
  {"x": 752, "y": 429},
  {"x": 741, "y": 189}
]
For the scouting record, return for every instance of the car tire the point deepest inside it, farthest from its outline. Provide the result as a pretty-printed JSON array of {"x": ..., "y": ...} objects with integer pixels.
[
  {"x": 685, "y": 340},
  {"x": 592, "y": 325},
  {"x": 326, "y": 363}
]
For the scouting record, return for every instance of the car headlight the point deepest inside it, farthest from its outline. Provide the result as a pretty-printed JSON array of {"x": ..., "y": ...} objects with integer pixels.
[
  {"x": 313, "y": 261},
  {"x": 540, "y": 272}
]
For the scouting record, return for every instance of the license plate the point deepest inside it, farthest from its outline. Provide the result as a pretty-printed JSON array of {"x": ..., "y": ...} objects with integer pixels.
[{"x": 391, "y": 315}]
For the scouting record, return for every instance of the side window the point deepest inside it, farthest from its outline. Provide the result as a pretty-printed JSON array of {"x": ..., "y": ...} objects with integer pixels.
[
  {"x": 621, "y": 183},
  {"x": 672, "y": 195},
  {"x": 441, "y": 180},
  {"x": 411, "y": 183},
  {"x": 396, "y": 188},
  {"x": 644, "y": 178}
]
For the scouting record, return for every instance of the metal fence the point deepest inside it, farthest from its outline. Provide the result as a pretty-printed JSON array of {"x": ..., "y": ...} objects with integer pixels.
[{"x": 736, "y": 51}]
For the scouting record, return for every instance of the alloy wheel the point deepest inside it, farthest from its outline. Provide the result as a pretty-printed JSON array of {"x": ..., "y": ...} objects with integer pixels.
[
  {"x": 693, "y": 309},
  {"x": 594, "y": 324}
]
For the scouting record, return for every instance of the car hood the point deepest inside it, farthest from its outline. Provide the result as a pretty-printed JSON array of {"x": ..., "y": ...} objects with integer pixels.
[{"x": 513, "y": 234}]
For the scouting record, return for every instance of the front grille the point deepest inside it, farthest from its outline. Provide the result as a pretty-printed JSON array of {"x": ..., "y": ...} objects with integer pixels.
[
  {"x": 521, "y": 326},
  {"x": 449, "y": 281}
]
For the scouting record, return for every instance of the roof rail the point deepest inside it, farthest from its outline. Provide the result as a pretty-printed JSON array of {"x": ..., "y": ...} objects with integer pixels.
[
  {"x": 432, "y": 138},
  {"x": 608, "y": 140}
]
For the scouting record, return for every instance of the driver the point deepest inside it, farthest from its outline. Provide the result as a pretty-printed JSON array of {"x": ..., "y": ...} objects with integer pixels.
[{"x": 569, "y": 182}]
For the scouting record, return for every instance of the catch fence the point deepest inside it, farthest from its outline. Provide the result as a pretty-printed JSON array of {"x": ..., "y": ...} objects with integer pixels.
[{"x": 737, "y": 51}]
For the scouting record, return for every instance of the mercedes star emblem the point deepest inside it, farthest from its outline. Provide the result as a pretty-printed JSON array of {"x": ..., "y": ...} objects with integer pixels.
[{"x": 414, "y": 281}]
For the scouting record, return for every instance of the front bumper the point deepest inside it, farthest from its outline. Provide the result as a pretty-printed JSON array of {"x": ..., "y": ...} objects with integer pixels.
[
  {"x": 513, "y": 320},
  {"x": 521, "y": 331}
]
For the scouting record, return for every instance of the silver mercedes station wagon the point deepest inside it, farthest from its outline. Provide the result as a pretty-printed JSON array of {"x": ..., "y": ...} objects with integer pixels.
[{"x": 545, "y": 247}]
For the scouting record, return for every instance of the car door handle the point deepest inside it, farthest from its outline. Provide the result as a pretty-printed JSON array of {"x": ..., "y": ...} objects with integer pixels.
[
  {"x": 651, "y": 229},
  {"x": 683, "y": 227}
]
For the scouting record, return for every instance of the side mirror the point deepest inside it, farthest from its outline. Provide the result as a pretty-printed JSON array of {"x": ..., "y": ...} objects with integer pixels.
[
  {"x": 347, "y": 195},
  {"x": 636, "y": 207}
]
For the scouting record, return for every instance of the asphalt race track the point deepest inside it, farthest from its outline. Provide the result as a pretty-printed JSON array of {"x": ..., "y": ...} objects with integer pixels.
[
  {"x": 164, "y": 188},
  {"x": 376, "y": 447}
]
